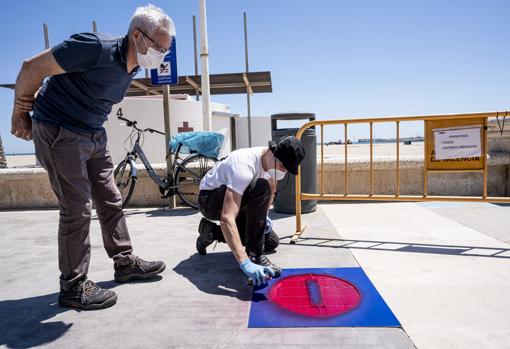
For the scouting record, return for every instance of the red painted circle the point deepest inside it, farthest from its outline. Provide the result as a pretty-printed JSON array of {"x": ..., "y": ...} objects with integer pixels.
[{"x": 315, "y": 295}]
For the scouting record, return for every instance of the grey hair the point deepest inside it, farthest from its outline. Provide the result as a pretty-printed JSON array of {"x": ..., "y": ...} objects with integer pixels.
[{"x": 150, "y": 18}]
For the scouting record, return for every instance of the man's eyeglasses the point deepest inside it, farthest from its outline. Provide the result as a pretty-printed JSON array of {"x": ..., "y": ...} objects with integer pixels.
[{"x": 157, "y": 46}]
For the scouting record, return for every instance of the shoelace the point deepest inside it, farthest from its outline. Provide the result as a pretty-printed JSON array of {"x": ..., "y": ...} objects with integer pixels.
[
  {"x": 89, "y": 288},
  {"x": 261, "y": 260},
  {"x": 264, "y": 260},
  {"x": 140, "y": 262}
]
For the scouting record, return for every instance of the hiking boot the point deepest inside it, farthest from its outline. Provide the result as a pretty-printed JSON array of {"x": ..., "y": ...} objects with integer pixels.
[
  {"x": 264, "y": 261},
  {"x": 138, "y": 270},
  {"x": 206, "y": 235},
  {"x": 87, "y": 295}
]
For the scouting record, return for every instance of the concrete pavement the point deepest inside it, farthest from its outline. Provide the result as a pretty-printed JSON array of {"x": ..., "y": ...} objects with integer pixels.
[
  {"x": 199, "y": 302},
  {"x": 436, "y": 266},
  {"x": 443, "y": 268}
]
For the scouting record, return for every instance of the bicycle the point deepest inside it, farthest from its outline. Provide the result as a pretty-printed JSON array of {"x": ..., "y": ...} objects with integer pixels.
[{"x": 184, "y": 175}]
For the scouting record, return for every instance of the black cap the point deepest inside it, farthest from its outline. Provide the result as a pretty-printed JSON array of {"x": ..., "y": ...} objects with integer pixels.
[{"x": 289, "y": 151}]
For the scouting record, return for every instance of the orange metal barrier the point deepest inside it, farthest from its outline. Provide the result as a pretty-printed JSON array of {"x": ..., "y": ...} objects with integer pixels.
[{"x": 430, "y": 121}]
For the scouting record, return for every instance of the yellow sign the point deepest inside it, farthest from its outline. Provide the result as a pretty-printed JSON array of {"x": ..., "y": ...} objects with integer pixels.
[{"x": 455, "y": 127}]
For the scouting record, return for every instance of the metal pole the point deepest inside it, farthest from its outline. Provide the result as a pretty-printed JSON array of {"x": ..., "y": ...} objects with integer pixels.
[
  {"x": 94, "y": 27},
  {"x": 425, "y": 161},
  {"x": 246, "y": 43},
  {"x": 166, "y": 116},
  {"x": 346, "y": 169},
  {"x": 398, "y": 158},
  {"x": 248, "y": 101},
  {"x": 46, "y": 46},
  {"x": 322, "y": 159},
  {"x": 484, "y": 154},
  {"x": 197, "y": 96},
  {"x": 204, "y": 57},
  {"x": 46, "y": 39},
  {"x": 299, "y": 227},
  {"x": 371, "y": 159}
]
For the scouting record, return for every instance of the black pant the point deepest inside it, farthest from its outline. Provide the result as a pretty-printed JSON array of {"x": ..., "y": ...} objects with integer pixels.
[
  {"x": 251, "y": 219},
  {"x": 80, "y": 169}
]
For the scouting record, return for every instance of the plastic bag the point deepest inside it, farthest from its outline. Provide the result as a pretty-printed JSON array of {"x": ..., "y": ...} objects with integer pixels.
[{"x": 202, "y": 142}]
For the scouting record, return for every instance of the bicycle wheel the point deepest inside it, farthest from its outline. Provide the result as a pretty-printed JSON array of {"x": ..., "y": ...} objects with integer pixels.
[
  {"x": 188, "y": 177},
  {"x": 124, "y": 181}
]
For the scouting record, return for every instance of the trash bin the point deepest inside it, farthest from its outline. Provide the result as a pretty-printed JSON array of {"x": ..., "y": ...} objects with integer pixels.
[{"x": 285, "y": 201}]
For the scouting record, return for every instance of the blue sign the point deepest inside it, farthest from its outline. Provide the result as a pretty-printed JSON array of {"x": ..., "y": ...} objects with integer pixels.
[{"x": 166, "y": 73}]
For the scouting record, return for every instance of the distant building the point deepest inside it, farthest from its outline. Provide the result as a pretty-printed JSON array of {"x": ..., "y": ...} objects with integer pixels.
[
  {"x": 333, "y": 142},
  {"x": 391, "y": 140}
]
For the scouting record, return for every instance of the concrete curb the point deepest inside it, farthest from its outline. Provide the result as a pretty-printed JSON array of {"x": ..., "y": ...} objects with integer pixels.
[{"x": 29, "y": 188}]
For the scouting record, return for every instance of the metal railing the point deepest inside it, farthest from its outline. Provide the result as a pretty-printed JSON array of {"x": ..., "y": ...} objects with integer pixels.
[{"x": 397, "y": 196}]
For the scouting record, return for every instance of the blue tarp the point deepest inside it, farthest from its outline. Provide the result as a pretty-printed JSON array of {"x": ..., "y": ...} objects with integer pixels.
[{"x": 205, "y": 143}]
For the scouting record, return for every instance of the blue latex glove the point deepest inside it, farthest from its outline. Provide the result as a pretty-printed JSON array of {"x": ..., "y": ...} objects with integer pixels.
[
  {"x": 257, "y": 273},
  {"x": 269, "y": 226}
]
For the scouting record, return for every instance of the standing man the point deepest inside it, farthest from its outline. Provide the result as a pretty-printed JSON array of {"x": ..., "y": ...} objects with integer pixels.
[
  {"x": 238, "y": 191},
  {"x": 86, "y": 74}
]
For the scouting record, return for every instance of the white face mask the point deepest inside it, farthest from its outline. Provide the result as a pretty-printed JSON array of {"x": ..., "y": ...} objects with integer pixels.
[
  {"x": 276, "y": 174},
  {"x": 152, "y": 59}
]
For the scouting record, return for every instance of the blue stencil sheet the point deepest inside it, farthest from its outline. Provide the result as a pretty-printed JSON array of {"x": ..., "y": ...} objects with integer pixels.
[{"x": 369, "y": 310}]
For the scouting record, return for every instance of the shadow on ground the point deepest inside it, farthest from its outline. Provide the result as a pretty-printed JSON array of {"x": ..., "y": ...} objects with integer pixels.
[
  {"x": 22, "y": 321},
  {"x": 275, "y": 216},
  {"x": 394, "y": 246},
  {"x": 112, "y": 284},
  {"x": 215, "y": 273},
  {"x": 166, "y": 212},
  {"x": 159, "y": 212}
]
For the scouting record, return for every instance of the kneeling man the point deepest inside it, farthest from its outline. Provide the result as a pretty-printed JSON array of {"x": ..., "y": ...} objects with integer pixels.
[{"x": 238, "y": 191}]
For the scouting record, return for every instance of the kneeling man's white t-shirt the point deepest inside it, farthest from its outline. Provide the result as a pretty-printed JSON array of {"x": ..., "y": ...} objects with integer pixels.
[{"x": 236, "y": 171}]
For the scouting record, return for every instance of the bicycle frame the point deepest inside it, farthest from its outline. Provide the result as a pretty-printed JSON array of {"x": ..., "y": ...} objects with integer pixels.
[
  {"x": 160, "y": 181},
  {"x": 166, "y": 184},
  {"x": 163, "y": 182}
]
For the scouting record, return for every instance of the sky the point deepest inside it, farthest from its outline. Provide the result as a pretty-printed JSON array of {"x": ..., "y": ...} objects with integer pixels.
[{"x": 336, "y": 58}]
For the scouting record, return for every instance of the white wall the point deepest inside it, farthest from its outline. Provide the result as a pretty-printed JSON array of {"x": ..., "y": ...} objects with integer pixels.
[
  {"x": 148, "y": 112},
  {"x": 260, "y": 131},
  {"x": 221, "y": 123}
]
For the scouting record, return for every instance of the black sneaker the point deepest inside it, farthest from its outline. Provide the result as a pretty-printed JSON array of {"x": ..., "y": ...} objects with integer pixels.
[
  {"x": 206, "y": 235},
  {"x": 138, "y": 270},
  {"x": 264, "y": 261},
  {"x": 87, "y": 295}
]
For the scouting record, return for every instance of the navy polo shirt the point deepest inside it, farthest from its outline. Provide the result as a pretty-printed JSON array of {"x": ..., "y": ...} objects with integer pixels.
[{"x": 96, "y": 78}]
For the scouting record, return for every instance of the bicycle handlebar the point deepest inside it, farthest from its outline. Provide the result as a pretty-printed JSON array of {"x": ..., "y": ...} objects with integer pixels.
[
  {"x": 151, "y": 130},
  {"x": 129, "y": 122},
  {"x": 133, "y": 124}
]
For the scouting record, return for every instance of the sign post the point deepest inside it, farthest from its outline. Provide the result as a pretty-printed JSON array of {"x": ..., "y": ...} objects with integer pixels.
[{"x": 166, "y": 75}]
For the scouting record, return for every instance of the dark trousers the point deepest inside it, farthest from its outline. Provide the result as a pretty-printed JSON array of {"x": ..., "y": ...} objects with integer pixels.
[
  {"x": 80, "y": 169},
  {"x": 251, "y": 219}
]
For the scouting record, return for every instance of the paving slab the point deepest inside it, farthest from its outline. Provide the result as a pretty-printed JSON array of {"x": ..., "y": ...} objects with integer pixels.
[
  {"x": 489, "y": 219},
  {"x": 444, "y": 292},
  {"x": 199, "y": 301}
]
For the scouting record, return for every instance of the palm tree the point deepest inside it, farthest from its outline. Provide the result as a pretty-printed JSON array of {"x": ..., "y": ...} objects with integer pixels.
[{"x": 3, "y": 161}]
